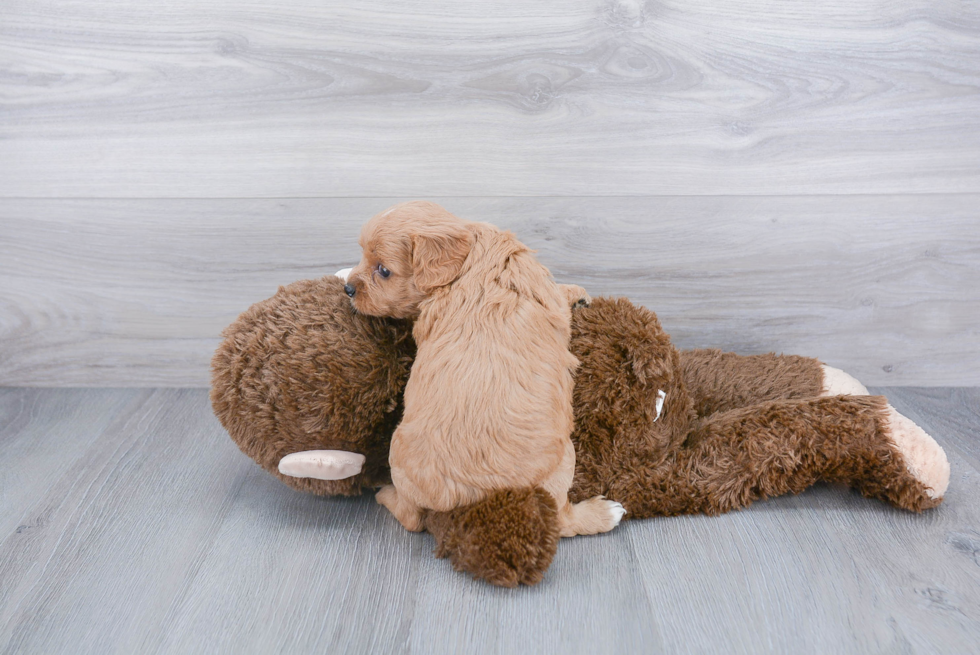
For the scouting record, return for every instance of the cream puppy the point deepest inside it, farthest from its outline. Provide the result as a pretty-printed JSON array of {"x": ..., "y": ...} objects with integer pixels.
[{"x": 488, "y": 404}]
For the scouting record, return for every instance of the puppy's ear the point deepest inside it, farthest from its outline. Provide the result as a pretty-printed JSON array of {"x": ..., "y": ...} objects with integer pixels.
[{"x": 437, "y": 258}]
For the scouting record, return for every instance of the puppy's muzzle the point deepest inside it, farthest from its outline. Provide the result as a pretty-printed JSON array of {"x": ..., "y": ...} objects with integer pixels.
[{"x": 349, "y": 290}]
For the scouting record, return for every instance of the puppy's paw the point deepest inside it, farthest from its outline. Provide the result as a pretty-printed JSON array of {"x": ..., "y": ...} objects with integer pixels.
[
  {"x": 616, "y": 512},
  {"x": 592, "y": 516},
  {"x": 575, "y": 295},
  {"x": 407, "y": 514},
  {"x": 387, "y": 496}
]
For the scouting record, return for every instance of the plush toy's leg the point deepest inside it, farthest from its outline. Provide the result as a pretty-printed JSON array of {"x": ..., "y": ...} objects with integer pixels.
[
  {"x": 733, "y": 458},
  {"x": 787, "y": 446},
  {"x": 408, "y": 513}
]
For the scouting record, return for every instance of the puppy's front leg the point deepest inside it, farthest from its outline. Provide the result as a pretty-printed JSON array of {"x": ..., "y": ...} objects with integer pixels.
[
  {"x": 408, "y": 513},
  {"x": 575, "y": 295}
]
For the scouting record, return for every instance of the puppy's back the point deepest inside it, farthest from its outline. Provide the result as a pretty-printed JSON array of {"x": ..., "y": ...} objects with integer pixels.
[{"x": 488, "y": 403}]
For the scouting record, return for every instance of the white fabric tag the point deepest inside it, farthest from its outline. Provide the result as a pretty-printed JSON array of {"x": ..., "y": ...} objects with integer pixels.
[
  {"x": 343, "y": 273},
  {"x": 660, "y": 403}
]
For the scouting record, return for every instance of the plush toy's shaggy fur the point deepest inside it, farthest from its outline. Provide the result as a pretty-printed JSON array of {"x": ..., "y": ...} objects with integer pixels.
[
  {"x": 752, "y": 442},
  {"x": 507, "y": 539},
  {"x": 301, "y": 372}
]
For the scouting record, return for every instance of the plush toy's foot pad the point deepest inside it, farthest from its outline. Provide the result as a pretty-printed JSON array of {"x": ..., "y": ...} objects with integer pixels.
[
  {"x": 924, "y": 458},
  {"x": 590, "y": 516},
  {"x": 322, "y": 464},
  {"x": 838, "y": 383}
]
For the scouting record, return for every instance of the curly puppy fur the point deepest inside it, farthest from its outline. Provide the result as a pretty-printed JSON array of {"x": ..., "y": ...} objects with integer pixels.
[{"x": 488, "y": 404}]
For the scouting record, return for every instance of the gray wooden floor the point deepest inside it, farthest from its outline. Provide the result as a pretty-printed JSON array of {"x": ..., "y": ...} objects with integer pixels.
[{"x": 131, "y": 523}]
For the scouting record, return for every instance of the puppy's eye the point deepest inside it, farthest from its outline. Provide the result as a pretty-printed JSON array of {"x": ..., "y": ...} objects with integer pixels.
[{"x": 384, "y": 271}]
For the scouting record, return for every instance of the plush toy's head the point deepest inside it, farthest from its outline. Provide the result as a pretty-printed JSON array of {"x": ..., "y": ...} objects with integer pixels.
[{"x": 302, "y": 371}]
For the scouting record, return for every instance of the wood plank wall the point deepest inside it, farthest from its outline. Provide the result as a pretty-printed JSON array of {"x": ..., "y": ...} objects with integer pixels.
[{"x": 797, "y": 177}]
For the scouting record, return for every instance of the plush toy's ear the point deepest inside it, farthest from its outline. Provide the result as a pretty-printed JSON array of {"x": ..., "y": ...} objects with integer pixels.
[{"x": 437, "y": 258}]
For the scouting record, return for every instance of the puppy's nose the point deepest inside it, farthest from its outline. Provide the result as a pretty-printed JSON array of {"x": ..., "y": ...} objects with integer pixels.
[{"x": 349, "y": 290}]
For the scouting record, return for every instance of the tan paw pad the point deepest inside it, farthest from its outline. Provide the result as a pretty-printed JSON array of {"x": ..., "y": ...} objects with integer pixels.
[
  {"x": 838, "y": 383},
  {"x": 924, "y": 458}
]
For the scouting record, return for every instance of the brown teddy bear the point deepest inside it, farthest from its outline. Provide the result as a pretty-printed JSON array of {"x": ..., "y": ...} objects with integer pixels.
[{"x": 312, "y": 392}]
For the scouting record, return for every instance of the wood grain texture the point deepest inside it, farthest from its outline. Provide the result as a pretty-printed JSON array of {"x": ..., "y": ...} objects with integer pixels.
[
  {"x": 129, "y": 522},
  {"x": 305, "y": 98},
  {"x": 136, "y": 292}
]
